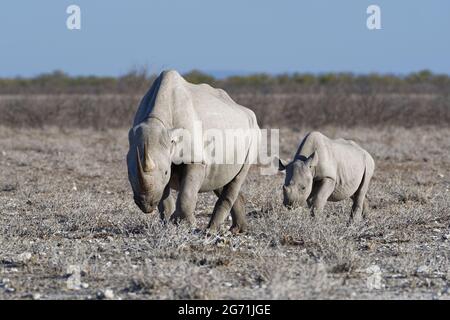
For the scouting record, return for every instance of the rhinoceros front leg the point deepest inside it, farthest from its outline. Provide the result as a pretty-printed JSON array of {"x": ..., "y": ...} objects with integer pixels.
[
  {"x": 191, "y": 182},
  {"x": 324, "y": 191},
  {"x": 227, "y": 199},
  {"x": 166, "y": 206}
]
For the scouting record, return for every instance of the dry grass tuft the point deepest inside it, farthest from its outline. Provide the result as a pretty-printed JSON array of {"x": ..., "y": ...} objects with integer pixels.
[{"x": 65, "y": 205}]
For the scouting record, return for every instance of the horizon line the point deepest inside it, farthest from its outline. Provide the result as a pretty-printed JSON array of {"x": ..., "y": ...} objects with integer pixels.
[{"x": 224, "y": 74}]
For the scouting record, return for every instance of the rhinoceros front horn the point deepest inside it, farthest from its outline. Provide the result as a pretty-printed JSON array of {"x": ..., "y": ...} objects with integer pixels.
[
  {"x": 140, "y": 172},
  {"x": 148, "y": 162}
]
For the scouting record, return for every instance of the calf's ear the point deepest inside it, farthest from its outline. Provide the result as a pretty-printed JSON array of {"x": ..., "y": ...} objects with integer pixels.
[
  {"x": 313, "y": 160},
  {"x": 282, "y": 164}
]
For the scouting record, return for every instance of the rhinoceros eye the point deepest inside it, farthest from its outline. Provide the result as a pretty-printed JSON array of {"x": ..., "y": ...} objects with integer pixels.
[{"x": 165, "y": 173}]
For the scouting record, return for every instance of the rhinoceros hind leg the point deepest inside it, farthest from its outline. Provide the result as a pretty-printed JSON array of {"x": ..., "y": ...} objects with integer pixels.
[
  {"x": 365, "y": 208},
  {"x": 359, "y": 208},
  {"x": 227, "y": 199},
  {"x": 239, "y": 223}
]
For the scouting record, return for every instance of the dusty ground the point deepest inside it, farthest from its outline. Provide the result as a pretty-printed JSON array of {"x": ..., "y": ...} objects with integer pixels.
[{"x": 69, "y": 227}]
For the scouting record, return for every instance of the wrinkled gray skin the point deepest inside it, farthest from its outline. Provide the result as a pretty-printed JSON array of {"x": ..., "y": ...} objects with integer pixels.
[
  {"x": 170, "y": 105},
  {"x": 328, "y": 170}
]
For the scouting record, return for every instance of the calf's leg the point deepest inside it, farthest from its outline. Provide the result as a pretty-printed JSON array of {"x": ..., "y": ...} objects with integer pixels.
[
  {"x": 359, "y": 198},
  {"x": 324, "y": 191}
]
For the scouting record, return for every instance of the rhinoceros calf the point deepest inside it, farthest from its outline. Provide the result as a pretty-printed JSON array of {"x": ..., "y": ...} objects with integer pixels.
[
  {"x": 324, "y": 170},
  {"x": 173, "y": 106}
]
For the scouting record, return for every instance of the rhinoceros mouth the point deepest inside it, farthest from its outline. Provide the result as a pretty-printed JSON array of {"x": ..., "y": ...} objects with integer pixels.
[
  {"x": 144, "y": 208},
  {"x": 290, "y": 205}
]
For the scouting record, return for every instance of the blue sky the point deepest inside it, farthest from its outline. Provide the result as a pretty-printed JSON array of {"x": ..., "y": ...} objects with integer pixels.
[{"x": 232, "y": 36}]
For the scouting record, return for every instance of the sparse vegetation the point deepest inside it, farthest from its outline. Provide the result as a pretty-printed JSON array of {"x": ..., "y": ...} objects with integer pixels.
[
  {"x": 65, "y": 201},
  {"x": 69, "y": 227}
]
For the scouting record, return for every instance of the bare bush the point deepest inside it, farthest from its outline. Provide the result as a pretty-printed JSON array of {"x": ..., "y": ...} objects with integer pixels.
[{"x": 272, "y": 110}]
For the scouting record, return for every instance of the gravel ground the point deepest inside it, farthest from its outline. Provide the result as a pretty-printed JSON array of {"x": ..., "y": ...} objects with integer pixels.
[{"x": 69, "y": 228}]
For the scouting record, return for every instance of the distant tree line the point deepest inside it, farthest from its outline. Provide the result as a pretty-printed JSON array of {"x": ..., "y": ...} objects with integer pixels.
[
  {"x": 288, "y": 100},
  {"x": 138, "y": 81}
]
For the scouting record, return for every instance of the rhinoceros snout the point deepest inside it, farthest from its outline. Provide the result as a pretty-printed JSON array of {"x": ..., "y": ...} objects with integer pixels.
[
  {"x": 145, "y": 208},
  {"x": 148, "y": 210},
  {"x": 287, "y": 197},
  {"x": 291, "y": 198}
]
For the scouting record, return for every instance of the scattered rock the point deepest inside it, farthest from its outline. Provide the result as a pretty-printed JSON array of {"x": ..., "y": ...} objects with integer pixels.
[
  {"x": 109, "y": 294},
  {"x": 375, "y": 279},
  {"x": 4, "y": 282},
  {"x": 10, "y": 289},
  {"x": 73, "y": 281},
  {"x": 105, "y": 294},
  {"x": 24, "y": 257},
  {"x": 36, "y": 296},
  {"x": 422, "y": 269}
]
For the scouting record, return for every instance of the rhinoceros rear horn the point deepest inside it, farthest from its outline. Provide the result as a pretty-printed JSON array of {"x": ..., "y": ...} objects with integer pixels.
[{"x": 148, "y": 162}]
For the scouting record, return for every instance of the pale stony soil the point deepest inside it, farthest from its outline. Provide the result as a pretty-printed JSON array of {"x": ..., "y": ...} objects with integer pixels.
[{"x": 69, "y": 227}]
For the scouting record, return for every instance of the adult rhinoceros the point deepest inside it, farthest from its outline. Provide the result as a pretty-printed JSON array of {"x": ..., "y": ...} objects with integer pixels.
[{"x": 171, "y": 109}]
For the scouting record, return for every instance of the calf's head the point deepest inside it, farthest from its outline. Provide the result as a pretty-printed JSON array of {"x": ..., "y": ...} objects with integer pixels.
[
  {"x": 149, "y": 163},
  {"x": 299, "y": 179}
]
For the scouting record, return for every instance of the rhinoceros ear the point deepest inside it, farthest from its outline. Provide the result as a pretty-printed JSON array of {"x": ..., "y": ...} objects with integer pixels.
[
  {"x": 313, "y": 160},
  {"x": 175, "y": 135},
  {"x": 176, "y": 144},
  {"x": 282, "y": 164}
]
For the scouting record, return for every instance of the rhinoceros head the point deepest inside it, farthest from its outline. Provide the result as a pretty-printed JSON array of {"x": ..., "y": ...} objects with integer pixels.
[
  {"x": 299, "y": 179},
  {"x": 149, "y": 163}
]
